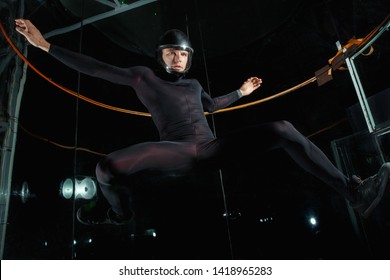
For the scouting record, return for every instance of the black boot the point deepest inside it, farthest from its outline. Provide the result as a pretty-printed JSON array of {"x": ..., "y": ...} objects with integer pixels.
[{"x": 366, "y": 194}]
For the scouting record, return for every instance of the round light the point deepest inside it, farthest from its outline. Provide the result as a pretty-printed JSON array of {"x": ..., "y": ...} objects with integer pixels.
[
  {"x": 67, "y": 188},
  {"x": 84, "y": 187}
]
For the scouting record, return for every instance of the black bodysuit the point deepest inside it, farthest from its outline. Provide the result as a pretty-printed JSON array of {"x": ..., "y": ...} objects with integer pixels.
[{"x": 186, "y": 140}]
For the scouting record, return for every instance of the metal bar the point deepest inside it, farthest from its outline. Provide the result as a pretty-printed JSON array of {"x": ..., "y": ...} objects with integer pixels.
[
  {"x": 356, "y": 80},
  {"x": 361, "y": 95},
  {"x": 117, "y": 3},
  {"x": 109, "y": 3},
  {"x": 121, "y": 9},
  {"x": 384, "y": 28}
]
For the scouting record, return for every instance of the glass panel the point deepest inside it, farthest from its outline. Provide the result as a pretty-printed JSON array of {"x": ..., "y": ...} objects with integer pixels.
[{"x": 364, "y": 153}]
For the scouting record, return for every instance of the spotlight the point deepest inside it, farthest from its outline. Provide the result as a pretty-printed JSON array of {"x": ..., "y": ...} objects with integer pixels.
[{"x": 81, "y": 186}]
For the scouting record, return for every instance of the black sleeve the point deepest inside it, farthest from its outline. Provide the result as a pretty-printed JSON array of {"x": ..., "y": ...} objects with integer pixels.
[
  {"x": 220, "y": 102},
  {"x": 93, "y": 67}
]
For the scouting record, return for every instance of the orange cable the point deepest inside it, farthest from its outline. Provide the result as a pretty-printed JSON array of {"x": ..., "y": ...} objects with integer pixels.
[
  {"x": 360, "y": 42},
  {"x": 59, "y": 145},
  {"x": 64, "y": 88},
  {"x": 137, "y": 112}
]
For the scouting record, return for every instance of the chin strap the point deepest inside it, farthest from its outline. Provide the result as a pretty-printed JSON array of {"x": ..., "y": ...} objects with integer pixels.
[{"x": 176, "y": 73}]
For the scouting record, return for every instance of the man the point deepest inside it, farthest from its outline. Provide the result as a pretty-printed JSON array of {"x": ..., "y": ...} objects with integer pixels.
[{"x": 177, "y": 107}]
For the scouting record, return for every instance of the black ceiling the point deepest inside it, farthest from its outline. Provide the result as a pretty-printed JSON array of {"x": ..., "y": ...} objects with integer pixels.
[{"x": 219, "y": 27}]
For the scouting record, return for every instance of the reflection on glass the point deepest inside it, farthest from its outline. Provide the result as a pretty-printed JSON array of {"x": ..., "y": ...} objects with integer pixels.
[{"x": 24, "y": 192}]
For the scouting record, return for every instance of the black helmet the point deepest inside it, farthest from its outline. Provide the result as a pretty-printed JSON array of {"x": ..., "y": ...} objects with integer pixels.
[{"x": 176, "y": 39}]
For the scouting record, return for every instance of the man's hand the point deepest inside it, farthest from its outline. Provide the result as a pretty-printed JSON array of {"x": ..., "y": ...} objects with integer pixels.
[
  {"x": 250, "y": 85},
  {"x": 32, "y": 34}
]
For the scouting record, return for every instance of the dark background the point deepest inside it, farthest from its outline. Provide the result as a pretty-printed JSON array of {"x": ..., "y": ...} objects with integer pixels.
[{"x": 268, "y": 200}]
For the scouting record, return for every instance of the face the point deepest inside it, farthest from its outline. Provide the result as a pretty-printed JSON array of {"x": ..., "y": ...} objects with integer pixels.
[{"x": 176, "y": 60}]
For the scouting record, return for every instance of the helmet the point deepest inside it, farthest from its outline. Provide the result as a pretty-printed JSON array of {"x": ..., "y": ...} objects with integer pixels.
[{"x": 176, "y": 39}]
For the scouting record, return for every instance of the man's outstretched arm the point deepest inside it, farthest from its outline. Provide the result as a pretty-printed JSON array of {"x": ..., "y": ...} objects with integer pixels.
[{"x": 32, "y": 34}]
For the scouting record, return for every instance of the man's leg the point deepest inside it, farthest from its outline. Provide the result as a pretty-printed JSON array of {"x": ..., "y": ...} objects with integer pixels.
[
  {"x": 365, "y": 194},
  {"x": 113, "y": 173}
]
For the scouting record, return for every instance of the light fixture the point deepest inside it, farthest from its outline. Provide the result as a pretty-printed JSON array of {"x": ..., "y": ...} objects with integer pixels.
[{"x": 81, "y": 186}]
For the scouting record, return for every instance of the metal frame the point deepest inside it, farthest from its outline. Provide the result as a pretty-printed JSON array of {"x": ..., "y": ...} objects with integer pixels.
[
  {"x": 118, "y": 8},
  {"x": 341, "y": 161},
  {"x": 356, "y": 80}
]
